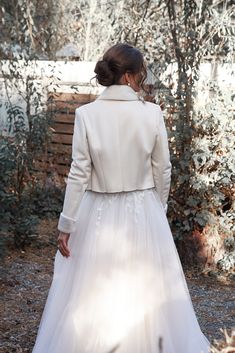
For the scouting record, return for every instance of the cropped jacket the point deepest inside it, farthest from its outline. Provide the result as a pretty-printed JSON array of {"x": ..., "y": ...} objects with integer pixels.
[{"x": 120, "y": 143}]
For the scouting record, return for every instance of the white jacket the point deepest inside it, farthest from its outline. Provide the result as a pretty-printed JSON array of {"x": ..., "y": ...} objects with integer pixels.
[{"x": 120, "y": 143}]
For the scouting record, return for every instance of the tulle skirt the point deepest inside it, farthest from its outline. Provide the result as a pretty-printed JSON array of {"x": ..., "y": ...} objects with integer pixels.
[{"x": 123, "y": 288}]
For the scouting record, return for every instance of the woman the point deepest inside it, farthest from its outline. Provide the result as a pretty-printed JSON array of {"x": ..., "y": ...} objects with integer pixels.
[{"x": 118, "y": 283}]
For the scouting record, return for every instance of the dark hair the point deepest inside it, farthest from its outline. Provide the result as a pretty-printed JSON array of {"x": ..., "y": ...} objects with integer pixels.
[{"x": 116, "y": 61}]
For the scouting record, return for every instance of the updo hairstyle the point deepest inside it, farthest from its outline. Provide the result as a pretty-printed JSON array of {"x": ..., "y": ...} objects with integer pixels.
[{"x": 118, "y": 60}]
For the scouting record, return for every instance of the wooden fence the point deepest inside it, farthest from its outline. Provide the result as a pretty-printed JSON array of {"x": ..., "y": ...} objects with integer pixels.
[{"x": 61, "y": 107}]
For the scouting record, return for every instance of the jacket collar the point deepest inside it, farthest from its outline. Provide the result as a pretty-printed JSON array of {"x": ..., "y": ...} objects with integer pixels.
[{"x": 119, "y": 92}]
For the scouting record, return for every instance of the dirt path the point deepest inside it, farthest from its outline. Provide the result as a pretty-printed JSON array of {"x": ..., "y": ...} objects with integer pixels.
[{"x": 26, "y": 281}]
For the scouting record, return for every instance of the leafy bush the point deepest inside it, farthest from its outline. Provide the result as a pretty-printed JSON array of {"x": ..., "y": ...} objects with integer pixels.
[
  {"x": 203, "y": 217},
  {"x": 24, "y": 198}
]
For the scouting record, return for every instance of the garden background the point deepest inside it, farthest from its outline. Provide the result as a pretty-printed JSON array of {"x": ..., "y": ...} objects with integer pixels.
[{"x": 47, "y": 55}]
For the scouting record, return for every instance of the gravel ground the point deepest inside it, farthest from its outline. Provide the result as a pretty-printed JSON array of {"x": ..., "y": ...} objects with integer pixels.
[{"x": 26, "y": 281}]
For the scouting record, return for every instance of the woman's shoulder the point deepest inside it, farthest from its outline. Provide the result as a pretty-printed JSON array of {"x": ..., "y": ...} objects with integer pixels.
[
  {"x": 98, "y": 105},
  {"x": 85, "y": 107},
  {"x": 151, "y": 109},
  {"x": 153, "y": 106}
]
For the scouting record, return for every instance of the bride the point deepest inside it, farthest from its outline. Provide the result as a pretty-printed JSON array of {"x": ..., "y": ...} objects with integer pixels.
[{"x": 118, "y": 284}]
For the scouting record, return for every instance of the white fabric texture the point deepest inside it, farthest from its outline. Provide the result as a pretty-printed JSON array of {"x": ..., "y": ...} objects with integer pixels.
[
  {"x": 123, "y": 285},
  {"x": 119, "y": 144}
]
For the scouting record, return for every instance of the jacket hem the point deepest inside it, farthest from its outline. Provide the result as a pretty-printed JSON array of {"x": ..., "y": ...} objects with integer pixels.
[{"x": 120, "y": 189}]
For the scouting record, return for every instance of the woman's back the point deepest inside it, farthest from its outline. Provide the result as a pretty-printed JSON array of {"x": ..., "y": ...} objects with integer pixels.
[
  {"x": 119, "y": 144},
  {"x": 121, "y": 132}
]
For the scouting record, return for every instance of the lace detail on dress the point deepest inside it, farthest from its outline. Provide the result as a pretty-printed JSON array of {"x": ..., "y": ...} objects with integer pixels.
[
  {"x": 106, "y": 201},
  {"x": 133, "y": 202}
]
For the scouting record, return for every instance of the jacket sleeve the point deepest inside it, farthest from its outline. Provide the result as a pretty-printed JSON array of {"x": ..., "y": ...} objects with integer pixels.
[
  {"x": 161, "y": 163},
  {"x": 78, "y": 176}
]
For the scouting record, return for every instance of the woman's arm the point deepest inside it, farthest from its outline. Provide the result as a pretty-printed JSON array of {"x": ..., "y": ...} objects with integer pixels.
[
  {"x": 78, "y": 176},
  {"x": 161, "y": 162}
]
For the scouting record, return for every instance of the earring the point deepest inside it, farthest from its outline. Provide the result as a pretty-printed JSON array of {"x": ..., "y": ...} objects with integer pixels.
[{"x": 128, "y": 84}]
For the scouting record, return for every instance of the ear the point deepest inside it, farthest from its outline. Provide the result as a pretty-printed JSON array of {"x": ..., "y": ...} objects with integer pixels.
[{"x": 127, "y": 77}]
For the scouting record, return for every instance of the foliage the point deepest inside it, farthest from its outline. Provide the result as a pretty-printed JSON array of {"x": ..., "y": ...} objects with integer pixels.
[
  {"x": 17, "y": 214},
  {"x": 25, "y": 199},
  {"x": 207, "y": 206},
  {"x": 27, "y": 138},
  {"x": 213, "y": 156},
  {"x": 38, "y": 29},
  {"x": 25, "y": 28},
  {"x": 14, "y": 214}
]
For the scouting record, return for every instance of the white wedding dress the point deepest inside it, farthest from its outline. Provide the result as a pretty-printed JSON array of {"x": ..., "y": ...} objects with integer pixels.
[{"x": 123, "y": 288}]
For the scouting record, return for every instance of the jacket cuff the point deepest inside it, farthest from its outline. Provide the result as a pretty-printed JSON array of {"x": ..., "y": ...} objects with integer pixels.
[{"x": 66, "y": 224}]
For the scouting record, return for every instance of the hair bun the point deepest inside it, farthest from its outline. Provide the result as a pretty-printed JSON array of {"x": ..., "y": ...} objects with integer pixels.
[{"x": 104, "y": 75}]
